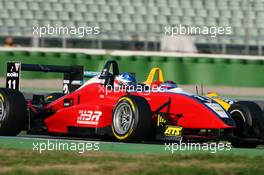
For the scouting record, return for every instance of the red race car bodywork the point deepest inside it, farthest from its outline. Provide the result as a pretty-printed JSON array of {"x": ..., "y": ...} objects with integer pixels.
[
  {"x": 97, "y": 108},
  {"x": 91, "y": 106}
]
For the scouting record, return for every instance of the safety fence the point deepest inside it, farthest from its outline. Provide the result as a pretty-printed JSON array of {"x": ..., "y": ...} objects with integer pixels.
[{"x": 207, "y": 69}]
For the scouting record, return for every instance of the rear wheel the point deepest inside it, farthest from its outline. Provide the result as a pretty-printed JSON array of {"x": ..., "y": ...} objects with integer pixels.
[
  {"x": 249, "y": 124},
  {"x": 13, "y": 112},
  {"x": 132, "y": 119}
]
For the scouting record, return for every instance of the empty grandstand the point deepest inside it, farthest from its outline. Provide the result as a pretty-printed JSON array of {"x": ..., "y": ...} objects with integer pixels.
[{"x": 120, "y": 19}]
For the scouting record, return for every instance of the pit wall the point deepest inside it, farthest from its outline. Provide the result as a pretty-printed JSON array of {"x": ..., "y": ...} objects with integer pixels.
[{"x": 207, "y": 69}]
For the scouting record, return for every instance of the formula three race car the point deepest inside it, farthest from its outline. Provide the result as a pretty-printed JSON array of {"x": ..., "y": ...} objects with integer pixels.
[{"x": 95, "y": 108}]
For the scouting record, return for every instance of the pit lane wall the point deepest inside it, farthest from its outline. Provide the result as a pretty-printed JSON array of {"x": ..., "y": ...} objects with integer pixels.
[{"x": 207, "y": 69}]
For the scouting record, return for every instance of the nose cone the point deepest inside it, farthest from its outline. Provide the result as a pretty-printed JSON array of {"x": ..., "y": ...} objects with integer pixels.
[
  {"x": 204, "y": 118},
  {"x": 199, "y": 114},
  {"x": 221, "y": 113}
]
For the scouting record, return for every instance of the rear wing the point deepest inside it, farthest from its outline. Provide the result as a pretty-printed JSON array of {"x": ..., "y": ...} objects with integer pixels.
[{"x": 73, "y": 75}]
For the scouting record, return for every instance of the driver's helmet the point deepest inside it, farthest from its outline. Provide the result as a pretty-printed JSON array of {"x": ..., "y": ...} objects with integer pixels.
[
  {"x": 125, "y": 80},
  {"x": 167, "y": 85}
]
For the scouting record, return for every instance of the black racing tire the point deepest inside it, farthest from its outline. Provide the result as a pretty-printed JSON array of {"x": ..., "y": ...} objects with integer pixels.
[
  {"x": 249, "y": 123},
  {"x": 137, "y": 113},
  {"x": 243, "y": 143},
  {"x": 52, "y": 97},
  {"x": 13, "y": 112}
]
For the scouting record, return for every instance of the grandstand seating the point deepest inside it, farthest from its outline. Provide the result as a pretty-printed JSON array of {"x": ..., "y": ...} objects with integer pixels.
[{"x": 135, "y": 16}]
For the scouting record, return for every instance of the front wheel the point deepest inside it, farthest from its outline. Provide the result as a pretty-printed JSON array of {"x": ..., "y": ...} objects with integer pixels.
[
  {"x": 132, "y": 119},
  {"x": 249, "y": 124}
]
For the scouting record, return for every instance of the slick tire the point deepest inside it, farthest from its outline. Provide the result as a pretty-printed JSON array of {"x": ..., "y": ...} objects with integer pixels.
[
  {"x": 13, "y": 112},
  {"x": 132, "y": 119},
  {"x": 249, "y": 123}
]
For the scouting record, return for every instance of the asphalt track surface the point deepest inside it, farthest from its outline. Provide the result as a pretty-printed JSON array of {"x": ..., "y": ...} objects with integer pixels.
[{"x": 26, "y": 142}]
